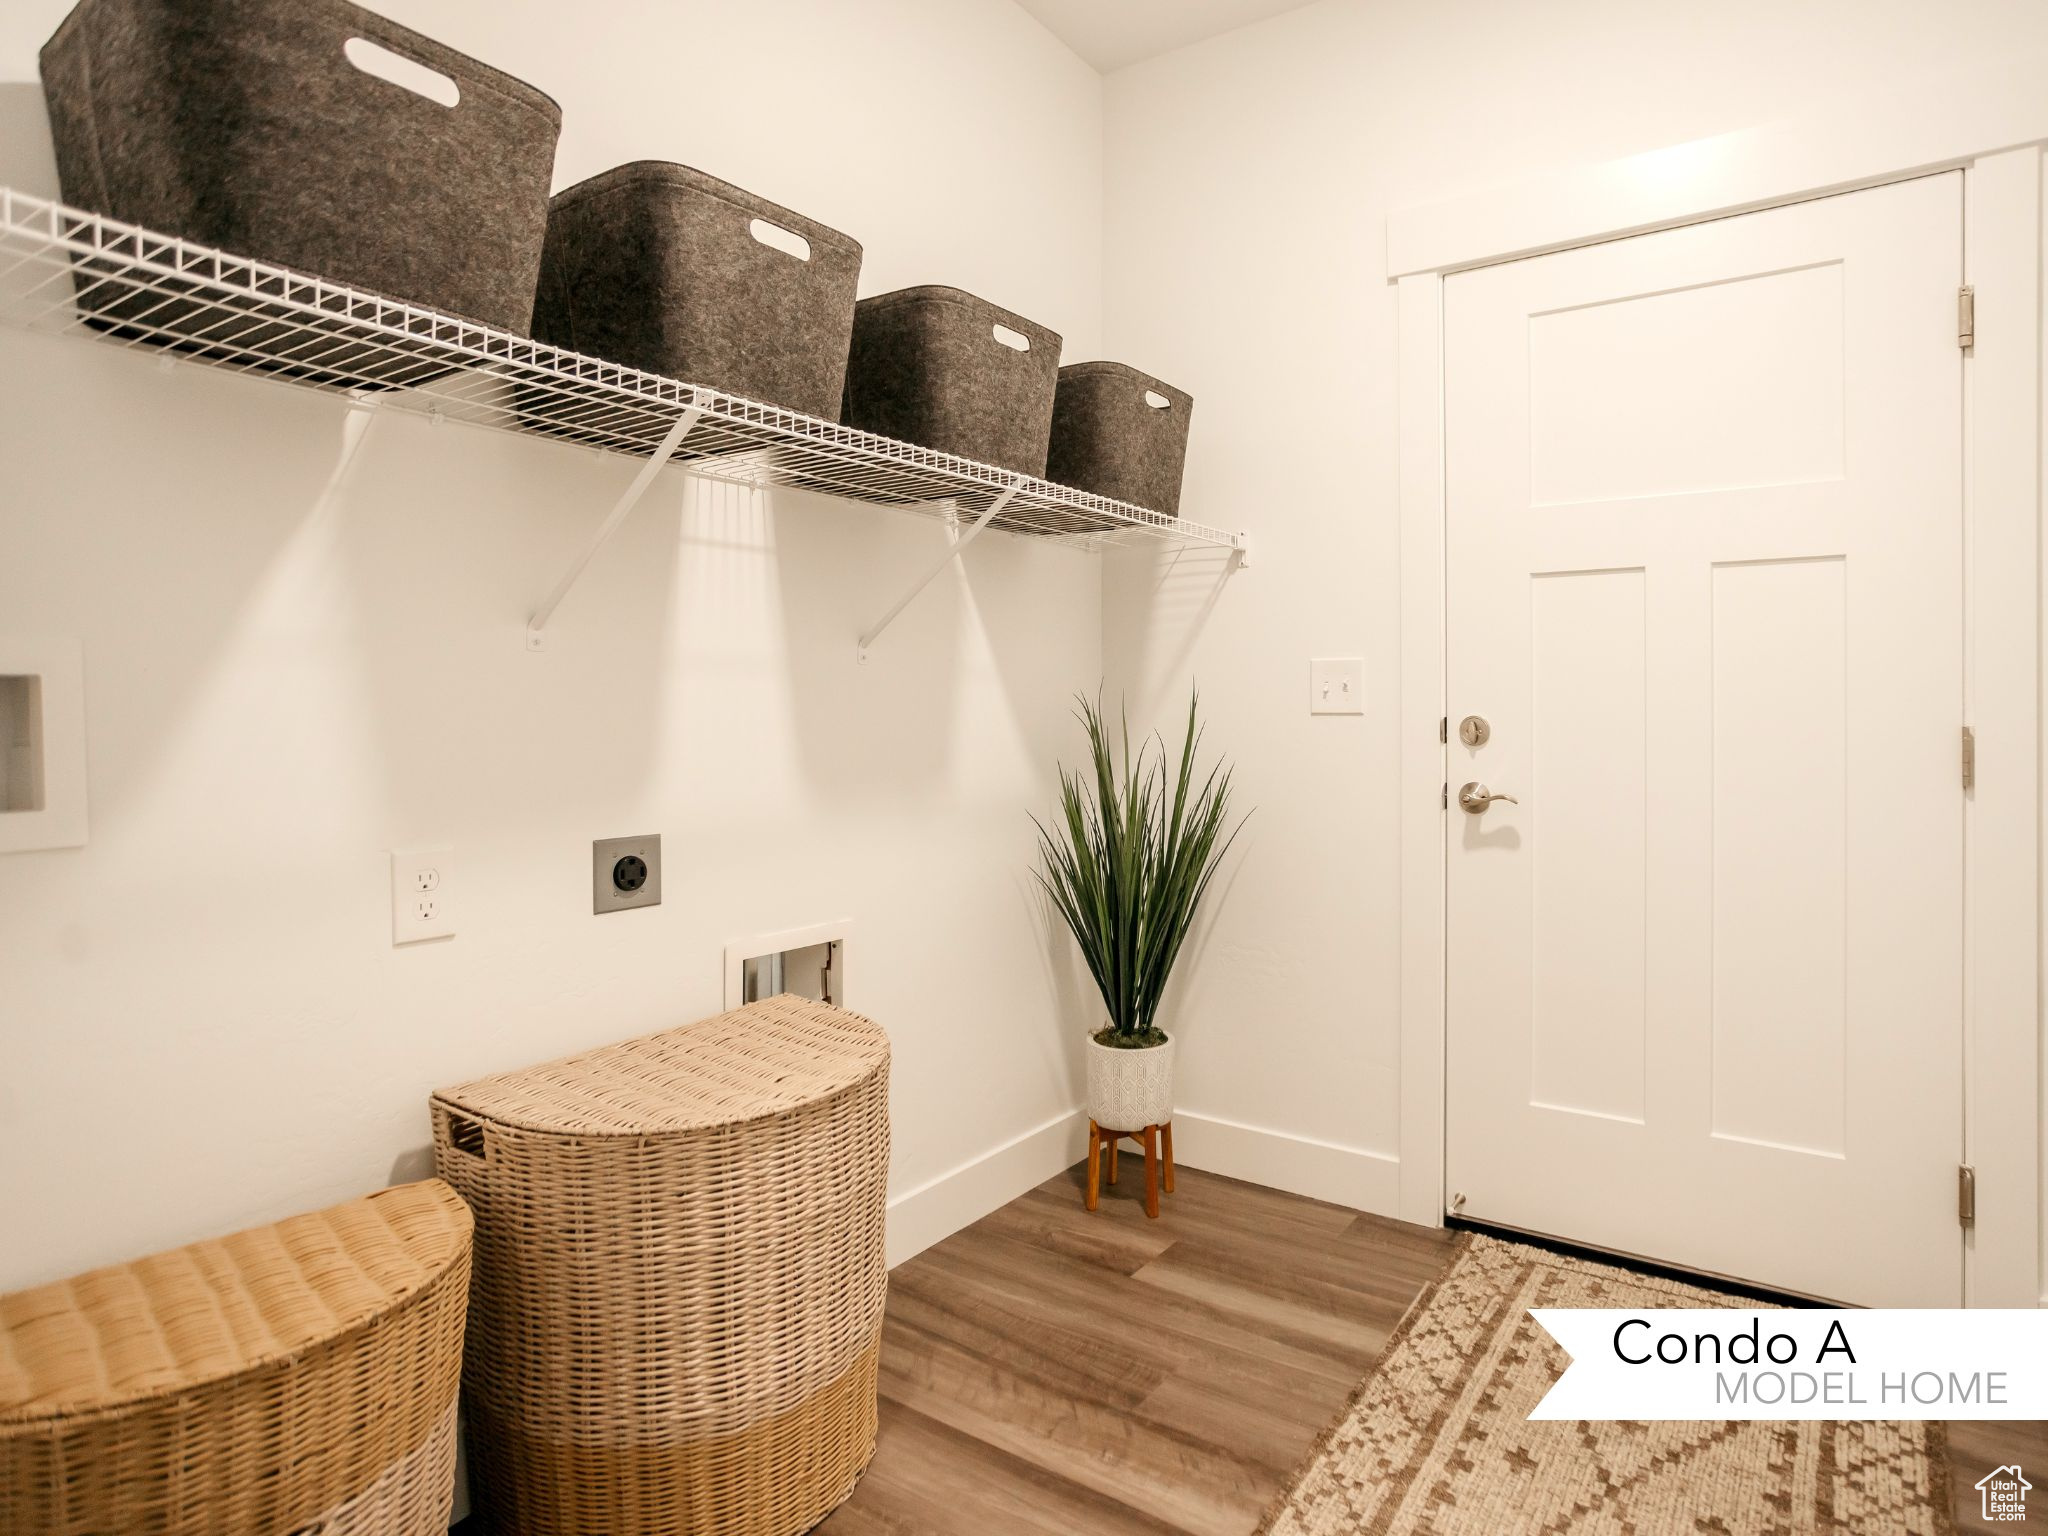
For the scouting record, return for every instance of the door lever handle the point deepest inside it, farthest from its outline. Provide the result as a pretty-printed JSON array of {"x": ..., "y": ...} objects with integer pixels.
[{"x": 1476, "y": 797}]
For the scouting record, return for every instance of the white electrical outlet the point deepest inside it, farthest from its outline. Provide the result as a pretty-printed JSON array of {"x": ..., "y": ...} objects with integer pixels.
[
  {"x": 1336, "y": 685},
  {"x": 419, "y": 895}
]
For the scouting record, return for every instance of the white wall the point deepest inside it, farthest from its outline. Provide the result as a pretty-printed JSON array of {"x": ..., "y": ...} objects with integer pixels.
[
  {"x": 201, "y": 1020},
  {"x": 297, "y": 661},
  {"x": 1248, "y": 181}
]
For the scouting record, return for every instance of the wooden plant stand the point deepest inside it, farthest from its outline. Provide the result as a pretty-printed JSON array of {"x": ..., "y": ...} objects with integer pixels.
[{"x": 1157, "y": 1140}]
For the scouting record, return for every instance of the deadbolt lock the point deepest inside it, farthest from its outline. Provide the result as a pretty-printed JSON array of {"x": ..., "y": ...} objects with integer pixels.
[{"x": 1473, "y": 730}]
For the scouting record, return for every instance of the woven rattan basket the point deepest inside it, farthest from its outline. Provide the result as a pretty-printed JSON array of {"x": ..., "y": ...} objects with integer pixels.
[
  {"x": 295, "y": 1378},
  {"x": 679, "y": 1276}
]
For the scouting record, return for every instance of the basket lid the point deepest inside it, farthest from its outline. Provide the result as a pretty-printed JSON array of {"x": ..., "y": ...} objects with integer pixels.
[
  {"x": 183, "y": 1318},
  {"x": 764, "y": 1059}
]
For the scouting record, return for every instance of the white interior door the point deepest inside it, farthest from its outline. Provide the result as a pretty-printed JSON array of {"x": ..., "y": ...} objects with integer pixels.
[{"x": 1704, "y": 584}]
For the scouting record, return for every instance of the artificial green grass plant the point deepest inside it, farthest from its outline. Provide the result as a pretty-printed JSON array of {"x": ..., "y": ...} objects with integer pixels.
[{"x": 1127, "y": 862}]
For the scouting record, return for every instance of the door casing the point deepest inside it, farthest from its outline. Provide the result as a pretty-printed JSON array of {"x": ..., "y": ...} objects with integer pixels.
[{"x": 2003, "y": 580}]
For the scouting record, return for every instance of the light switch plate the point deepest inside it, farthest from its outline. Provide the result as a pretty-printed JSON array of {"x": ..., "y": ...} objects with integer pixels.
[
  {"x": 625, "y": 872},
  {"x": 1336, "y": 685},
  {"x": 421, "y": 888}
]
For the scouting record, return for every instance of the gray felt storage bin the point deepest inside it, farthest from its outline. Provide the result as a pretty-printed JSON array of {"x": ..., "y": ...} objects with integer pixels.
[
  {"x": 927, "y": 367},
  {"x": 249, "y": 125},
  {"x": 1109, "y": 436},
  {"x": 666, "y": 269}
]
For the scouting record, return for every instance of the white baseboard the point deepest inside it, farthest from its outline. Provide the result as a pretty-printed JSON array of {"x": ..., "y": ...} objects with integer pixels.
[
  {"x": 961, "y": 1196},
  {"x": 1301, "y": 1165}
]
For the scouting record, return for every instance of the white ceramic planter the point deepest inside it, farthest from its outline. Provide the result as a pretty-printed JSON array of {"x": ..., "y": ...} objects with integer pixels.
[{"x": 1128, "y": 1090}]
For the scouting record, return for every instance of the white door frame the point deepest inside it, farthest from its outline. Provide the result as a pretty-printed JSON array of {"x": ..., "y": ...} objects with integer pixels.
[{"x": 1970, "y": 124}]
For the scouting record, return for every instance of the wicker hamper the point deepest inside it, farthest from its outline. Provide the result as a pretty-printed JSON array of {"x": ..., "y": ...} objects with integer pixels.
[
  {"x": 293, "y": 1378},
  {"x": 660, "y": 267},
  {"x": 247, "y": 124},
  {"x": 1109, "y": 437},
  {"x": 679, "y": 1276},
  {"x": 927, "y": 367}
]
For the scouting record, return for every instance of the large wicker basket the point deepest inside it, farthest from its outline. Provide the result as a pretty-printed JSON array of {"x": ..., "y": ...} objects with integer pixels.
[
  {"x": 679, "y": 1276},
  {"x": 295, "y": 1378}
]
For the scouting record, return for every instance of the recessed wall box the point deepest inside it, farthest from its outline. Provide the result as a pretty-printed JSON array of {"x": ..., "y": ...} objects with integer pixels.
[
  {"x": 42, "y": 744},
  {"x": 808, "y": 962}
]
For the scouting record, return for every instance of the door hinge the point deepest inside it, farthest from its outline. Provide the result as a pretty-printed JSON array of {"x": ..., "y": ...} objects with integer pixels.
[
  {"x": 1966, "y": 1196},
  {"x": 1447, "y": 797},
  {"x": 1969, "y": 758},
  {"x": 1443, "y": 730},
  {"x": 1966, "y": 317}
]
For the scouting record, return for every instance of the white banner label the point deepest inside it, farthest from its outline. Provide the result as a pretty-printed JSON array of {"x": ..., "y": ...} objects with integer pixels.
[{"x": 1705, "y": 1363}]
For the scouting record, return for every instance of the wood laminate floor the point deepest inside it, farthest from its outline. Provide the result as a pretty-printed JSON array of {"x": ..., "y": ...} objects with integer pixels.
[{"x": 1048, "y": 1370}]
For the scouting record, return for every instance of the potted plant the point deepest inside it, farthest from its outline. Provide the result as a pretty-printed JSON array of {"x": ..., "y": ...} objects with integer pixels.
[{"x": 1127, "y": 863}]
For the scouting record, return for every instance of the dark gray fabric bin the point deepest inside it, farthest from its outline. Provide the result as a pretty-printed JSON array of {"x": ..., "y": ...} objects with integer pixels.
[
  {"x": 656, "y": 266},
  {"x": 243, "y": 124},
  {"x": 1108, "y": 439},
  {"x": 926, "y": 367}
]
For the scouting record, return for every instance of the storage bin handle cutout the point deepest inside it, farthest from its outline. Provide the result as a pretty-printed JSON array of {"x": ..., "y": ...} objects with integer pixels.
[
  {"x": 466, "y": 1135},
  {"x": 1156, "y": 400},
  {"x": 407, "y": 74},
  {"x": 1016, "y": 341},
  {"x": 775, "y": 236}
]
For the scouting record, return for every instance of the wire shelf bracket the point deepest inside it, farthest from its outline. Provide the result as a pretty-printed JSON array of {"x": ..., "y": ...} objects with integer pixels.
[
  {"x": 953, "y": 552},
  {"x": 536, "y": 638}
]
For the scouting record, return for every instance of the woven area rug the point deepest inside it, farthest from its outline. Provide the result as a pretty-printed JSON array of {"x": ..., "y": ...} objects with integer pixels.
[{"x": 1437, "y": 1441}]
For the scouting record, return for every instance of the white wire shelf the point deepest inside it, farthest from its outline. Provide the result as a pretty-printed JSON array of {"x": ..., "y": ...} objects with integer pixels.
[{"x": 63, "y": 270}]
